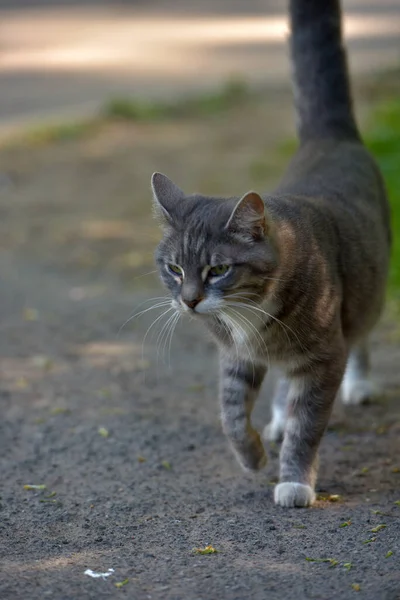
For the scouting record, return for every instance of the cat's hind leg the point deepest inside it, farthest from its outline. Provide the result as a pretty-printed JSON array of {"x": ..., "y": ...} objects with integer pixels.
[
  {"x": 273, "y": 432},
  {"x": 357, "y": 386}
]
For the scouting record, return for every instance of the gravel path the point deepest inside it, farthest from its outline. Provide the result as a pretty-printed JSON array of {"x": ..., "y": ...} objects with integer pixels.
[{"x": 136, "y": 468}]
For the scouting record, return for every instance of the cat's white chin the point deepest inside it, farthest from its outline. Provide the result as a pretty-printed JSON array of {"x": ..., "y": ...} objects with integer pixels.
[
  {"x": 207, "y": 306},
  {"x": 293, "y": 495}
]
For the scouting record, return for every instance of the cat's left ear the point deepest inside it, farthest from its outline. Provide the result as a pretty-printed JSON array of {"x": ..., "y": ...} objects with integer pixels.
[
  {"x": 248, "y": 216},
  {"x": 166, "y": 196}
]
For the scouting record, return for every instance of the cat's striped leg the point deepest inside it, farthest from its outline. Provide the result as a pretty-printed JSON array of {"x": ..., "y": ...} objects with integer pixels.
[
  {"x": 239, "y": 386},
  {"x": 312, "y": 396},
  {"x": 357, "y": 386}
]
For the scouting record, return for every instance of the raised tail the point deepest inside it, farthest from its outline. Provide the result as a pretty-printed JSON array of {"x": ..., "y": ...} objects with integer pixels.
[{"x": 322, "y": 89}]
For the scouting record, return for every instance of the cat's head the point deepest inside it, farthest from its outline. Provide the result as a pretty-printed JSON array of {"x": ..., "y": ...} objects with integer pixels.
[{"x": 214, "y": 252}]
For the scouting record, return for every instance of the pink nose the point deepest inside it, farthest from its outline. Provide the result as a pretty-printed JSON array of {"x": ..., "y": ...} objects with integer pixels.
[{"x": 192, "y": 303}]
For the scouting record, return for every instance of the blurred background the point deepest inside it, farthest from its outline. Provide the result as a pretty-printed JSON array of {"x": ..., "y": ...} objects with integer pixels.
[
  {"x": 94, "y": 97},
  {"x": 64, "y": 56}
]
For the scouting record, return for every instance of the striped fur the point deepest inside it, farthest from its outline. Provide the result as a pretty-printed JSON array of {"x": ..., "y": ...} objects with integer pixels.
[{"x": 302, "y": 271}]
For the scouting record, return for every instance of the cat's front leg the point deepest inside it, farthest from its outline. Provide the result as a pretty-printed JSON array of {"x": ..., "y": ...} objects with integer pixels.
[
  {"x": 239, "y": 387},
  {"x": 312, "y": 394}
]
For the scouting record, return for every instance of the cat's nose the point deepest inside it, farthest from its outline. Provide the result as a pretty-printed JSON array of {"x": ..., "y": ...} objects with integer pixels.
[{"x": 192, "y": 303}]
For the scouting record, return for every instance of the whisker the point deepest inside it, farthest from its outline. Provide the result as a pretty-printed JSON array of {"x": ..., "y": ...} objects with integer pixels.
[
  {"x": 151, "y": 327},
  {"x": 144, "y": 275},
  {"x": 163, "y": 334},
  {"x": 172, "y": 331},
  {"x": 134, "y": 315},
  {"x": 159, "y": 305}
]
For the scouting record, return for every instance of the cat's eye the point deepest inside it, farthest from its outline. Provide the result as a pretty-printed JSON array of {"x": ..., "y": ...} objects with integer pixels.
[
  {"x": 219, "y": 270},
  {"x": 175, "y": 270}
]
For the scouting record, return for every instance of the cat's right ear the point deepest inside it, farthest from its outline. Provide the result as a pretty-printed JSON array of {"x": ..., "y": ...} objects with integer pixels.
[{"x": 166, "y": 196}]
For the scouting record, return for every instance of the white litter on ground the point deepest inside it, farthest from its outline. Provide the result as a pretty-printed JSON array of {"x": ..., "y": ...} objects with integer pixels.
[{"x": 96, "y": 575}]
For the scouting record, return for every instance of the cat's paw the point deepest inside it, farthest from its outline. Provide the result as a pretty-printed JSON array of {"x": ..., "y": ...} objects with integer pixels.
[
  {"x": 361, "y": 391},
  {"x": 273, "y": 432},
  {"x": 252, "y": 457},
  {"x": 290, "y": 494}
]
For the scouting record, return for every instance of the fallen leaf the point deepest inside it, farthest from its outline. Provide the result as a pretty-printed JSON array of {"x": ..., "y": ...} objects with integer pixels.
[
  {"x": 207, "y": 550},
  {"x": 378, "y": 528},
  {"x": 345, "y": 524},
  {"x": 329, "y": 498},
  {"x": 34, "y": 487},
  {"x": 166, "y": 465},
  {"x": 141, "y": 459},
  {"x": 121, "y": 584},
  {"x": 333, "y": 562},
  {"x": 59, "y": 410},
  {"x": 396, "y": 470},
  {"x": 364, "y": 470},
  {"x": 21, "y": 383},
  {"x": 373, "y": 539},
  {"x": 103, "y": 432},
  {"x": 30, "y": 314},
  {"x": 196, "y": 387},
  {"x": 390, "y": 553},
  {"x": 42, "y": 362},
  {"x": 143, "y": 364},
  {"x": 334, "y": 498},
  {"x": 347, "y": 566},
  {"x": 397, "y": 502},
  {"x": 356, "y": 587}
]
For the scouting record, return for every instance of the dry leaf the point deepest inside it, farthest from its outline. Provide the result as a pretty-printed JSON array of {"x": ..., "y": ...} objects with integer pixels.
[
  {"x": 30, "y": 314},
  {"x": 378, "y": 528},
  {"x": 207, "y": 550}
]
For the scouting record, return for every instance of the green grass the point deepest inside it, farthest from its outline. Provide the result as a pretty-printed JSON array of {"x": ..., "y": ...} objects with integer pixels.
[
  {"x": 58, "y": 132},
  {"x": 383, "y": 139},
  {"x": 232, "y": 94}
]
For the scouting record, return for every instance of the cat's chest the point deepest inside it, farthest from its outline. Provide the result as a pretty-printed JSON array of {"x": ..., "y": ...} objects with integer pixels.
[{"x": 258, "y": 336}]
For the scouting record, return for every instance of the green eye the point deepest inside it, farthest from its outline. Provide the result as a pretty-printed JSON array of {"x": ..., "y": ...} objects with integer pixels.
[
  {"x": 176, "y": 270},
  {"x": 219, "y": 270}
]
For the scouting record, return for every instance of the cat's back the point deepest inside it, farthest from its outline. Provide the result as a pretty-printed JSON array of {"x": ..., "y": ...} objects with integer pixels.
[{"x": 343, "y": 179}]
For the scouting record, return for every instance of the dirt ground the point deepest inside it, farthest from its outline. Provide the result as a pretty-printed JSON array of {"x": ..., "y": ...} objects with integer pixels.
[{"x": 130, "y": 448}]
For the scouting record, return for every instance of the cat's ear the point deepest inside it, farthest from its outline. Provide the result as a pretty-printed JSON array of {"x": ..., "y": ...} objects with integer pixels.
[
  {"x": 248, "y": 216},
  {"x": 166, "y": 196}
]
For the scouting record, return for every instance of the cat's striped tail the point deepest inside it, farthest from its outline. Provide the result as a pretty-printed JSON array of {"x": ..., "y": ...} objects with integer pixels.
[{"x": 322, "y": 89}]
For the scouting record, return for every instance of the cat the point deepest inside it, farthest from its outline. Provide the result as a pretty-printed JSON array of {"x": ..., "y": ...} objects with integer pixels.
[{"x": 295, "y": 278}]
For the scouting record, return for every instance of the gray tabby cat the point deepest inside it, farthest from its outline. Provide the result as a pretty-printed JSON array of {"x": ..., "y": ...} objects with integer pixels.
[{"x": 295, "y": 278}]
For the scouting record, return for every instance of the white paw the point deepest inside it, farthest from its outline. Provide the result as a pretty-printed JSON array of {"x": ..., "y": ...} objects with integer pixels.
[
  {"x": 359, "y": 392},
  {"x": 273, "y": 432},
  {"x": 290, "y": 494}
]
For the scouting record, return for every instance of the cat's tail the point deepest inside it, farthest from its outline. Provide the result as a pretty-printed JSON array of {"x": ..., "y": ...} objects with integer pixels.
[{"x": 322, "y": 89}]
